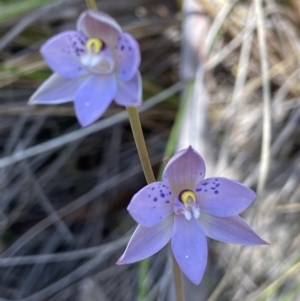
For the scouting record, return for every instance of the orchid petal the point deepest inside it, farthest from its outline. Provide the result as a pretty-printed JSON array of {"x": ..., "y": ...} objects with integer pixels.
[
  {"x": 223, "y": 197},
  {"x": 94, "y": 97},
  {"x": 151, "y": 204},
  {"x": 229, "y": 229},
  {"x": 95, "y": 24},
  {"x": 62, "y": 53},
  {"x": 184, "y": 170},
  {"x": 147, "y": 241},
  {"x": 56, "y": 90},
  {"x": 130, "y": 93},
  {"x": 189, "y": 246},
  {"x": 128, "y": 53}
]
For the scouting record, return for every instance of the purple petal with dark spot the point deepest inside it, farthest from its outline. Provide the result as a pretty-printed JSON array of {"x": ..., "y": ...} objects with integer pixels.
[
  {"x": 180, "y": 170},
  {"x": 229, "y": 229},
  {"x": 228, "y": 199},
  {"x": 62, "y": 54},
  {"x": 128, "y": 56},
  {"x": 148, "y": 207},
  {"x": 147, "y": 241},
  {"x": 189, "y": 246}
]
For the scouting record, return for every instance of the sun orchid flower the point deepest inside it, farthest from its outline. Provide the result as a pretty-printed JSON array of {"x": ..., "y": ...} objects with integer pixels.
[
  {"x": 93, "y": 65},
  {"x": 184, "y": 208}
]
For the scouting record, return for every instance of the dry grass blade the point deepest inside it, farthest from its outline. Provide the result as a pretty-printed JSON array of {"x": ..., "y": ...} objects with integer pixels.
[
  {"x": 65, "y": 256},
  {"x": 81, "y": 133},
  {"x": 25, "y": 22},
  {"x": 266, "y": 136}
]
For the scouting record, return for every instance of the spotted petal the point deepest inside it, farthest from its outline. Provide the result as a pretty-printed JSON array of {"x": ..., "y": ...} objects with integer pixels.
[
  {"x": 95, "y": 24},
  {"x": 230, "y": 229},
  {"x": 151, "y": 204},
  {"x": 223, "y": 197},
  {"x": 62, "y": 53},
  {"x": 57, "y": 89},
  {"x": 189, "y": 246},
  {"x": 147, "y": 241},
  {"x": 184, "y": 170},
  {"x": 128, "y": 54},
  {"x": 93, "y": 98},
  {"x": 130, "y": 93}
]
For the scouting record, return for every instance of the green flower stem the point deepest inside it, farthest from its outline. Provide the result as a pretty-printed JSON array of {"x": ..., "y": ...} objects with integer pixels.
[
  {"x": 140, "y": 143},
  {"x": 179, "y": 291},
  {"x": 144, "y": 266},
  {"x": 91, "y": 4},
  {"x": 139, "y": 140}
]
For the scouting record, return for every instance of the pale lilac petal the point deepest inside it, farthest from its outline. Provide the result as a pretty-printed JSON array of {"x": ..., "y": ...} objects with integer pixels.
[
  {"x": 229, "y": 229},
  {"x": 62, "y": 53},
  {"x": 130, "y": 93},
  {"x": 189, "y": 246},
  {"x": 184, "y": 170},
  {"x": 57, "y": 89},
  {"x": 129, "y": 57},
  {"x": 95, "y": 24},
  {"x": 223, "y": 197},
  {"x": 151, "y": 204},
  {"x": 94, "y": 97},
  {"x": 147, "y": 241}
]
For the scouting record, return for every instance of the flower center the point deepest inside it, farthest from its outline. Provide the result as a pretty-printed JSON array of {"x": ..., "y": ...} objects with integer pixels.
[
  {"x": 189, "y": 202},
  {"x": 188, "y": 198},
  {"x": 98, "y": 58},
  {"x": 94, "y": 45}
]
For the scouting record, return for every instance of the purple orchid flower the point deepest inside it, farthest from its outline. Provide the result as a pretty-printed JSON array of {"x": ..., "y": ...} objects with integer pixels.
[
  {"x": 92, "y": 66},
  {"x": 184, "y": 208}
]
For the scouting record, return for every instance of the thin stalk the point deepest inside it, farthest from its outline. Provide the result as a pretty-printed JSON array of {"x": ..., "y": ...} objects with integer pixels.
[
  {"x": 266, "y": 132},
  {"x": 137, "y": 132},
  {"x": 91, "y": 4},
  {"x": 177, "y": 280},
  {"x": 142, "y": 282}
]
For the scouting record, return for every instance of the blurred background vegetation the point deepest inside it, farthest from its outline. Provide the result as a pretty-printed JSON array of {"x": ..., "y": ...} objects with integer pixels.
[{"x": 64, "y": 190}]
